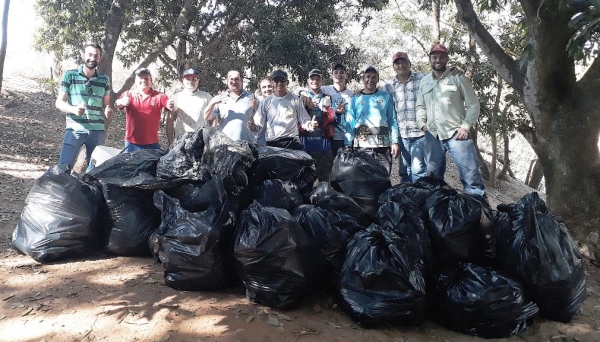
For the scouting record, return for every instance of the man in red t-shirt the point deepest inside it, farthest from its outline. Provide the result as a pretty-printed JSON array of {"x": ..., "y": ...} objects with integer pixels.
[{"x": 143, "y": 107}]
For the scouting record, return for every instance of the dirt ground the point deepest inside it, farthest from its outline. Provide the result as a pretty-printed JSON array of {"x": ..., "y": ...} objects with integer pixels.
[{"x": 125, "y": 299}]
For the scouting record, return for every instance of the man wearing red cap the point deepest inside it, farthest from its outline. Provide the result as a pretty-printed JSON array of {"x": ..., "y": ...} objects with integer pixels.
[
  {"x": 448, "y": 107},
  {"x": 421, "y": 153}
]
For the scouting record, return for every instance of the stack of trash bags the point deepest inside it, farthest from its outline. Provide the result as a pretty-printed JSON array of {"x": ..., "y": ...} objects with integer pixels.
[{"x": 216, "y": 212}]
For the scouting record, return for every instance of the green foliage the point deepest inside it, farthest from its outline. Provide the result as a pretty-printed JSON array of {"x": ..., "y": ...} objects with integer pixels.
[
  {"x": 48, "y": 85},
  {"x": 253, "y": 36},
  {"x": 584, "y": 42}
]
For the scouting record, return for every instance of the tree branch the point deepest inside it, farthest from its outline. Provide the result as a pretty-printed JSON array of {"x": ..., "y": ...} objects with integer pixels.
[
  {"x": 506, "y": 67},
  {"x": 112, "y": 31},
  {"x": 168, "y": 40}
]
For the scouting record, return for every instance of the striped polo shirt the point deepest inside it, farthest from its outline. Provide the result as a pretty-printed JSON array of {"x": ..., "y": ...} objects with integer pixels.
[{"x": 89, "y": 91}]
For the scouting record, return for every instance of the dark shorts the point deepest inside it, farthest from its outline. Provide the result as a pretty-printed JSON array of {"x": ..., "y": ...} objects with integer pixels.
[{"x": 291, "y": 143}]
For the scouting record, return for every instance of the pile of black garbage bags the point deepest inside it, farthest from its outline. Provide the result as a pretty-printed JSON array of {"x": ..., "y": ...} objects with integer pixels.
[{"x": 215, "y": 212}]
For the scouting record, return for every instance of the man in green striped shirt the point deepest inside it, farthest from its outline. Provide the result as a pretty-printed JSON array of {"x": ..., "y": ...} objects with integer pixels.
[{"x": 84, "y": 96}]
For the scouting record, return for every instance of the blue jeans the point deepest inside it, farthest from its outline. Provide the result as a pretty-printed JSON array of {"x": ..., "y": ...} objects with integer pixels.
[
  {"x": 73, "y": 142},
  {"x": 131, "y": 147},
  {"x": 422, "y": 156},
  {"x": 464, "y": 155}
]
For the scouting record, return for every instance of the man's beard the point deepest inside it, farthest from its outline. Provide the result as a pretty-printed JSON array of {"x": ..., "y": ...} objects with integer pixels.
[
  {"x": 91, "y": 64},
  {"x": 441, "y": 68}
]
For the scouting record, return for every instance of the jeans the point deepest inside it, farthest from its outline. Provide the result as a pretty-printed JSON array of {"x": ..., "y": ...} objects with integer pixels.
[
  {"x": 72, "y": 143},
  {"x": 131, "y": 147},
  {"x": 422, "y": 156},
  {"x": 464, "y": 155}
]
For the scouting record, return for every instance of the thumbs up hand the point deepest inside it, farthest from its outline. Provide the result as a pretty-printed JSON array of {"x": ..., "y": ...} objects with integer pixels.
[{"x": 314, "y": 123}]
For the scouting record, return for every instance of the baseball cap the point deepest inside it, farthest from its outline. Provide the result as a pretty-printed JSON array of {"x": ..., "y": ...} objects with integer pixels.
[
  {"x": 370, "y": 68},
  {"x": 143, "y": 71},
  {"x": 339, "y": 66},
  {"x": 279, "y": 74},
  {"x": 438, "y": 48},
  {"x": 402, "y": 55},
  {"x": 315, "y": 72},
  {"x": 190, "y": 72}
]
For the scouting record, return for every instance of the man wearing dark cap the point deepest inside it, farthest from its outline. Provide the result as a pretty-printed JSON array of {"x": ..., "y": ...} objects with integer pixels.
[
  {"x": 143, "y": 107},
  {"x": 85, "y": 98},
  {"x": 340, "y": 97},
  {"x": 188, "y": 115},
  {"x": 448, "y": 107},
  {"x": 371, "y": 124},
  {"x": 280, "y": 113},
  {"x": 233, "y": 109},
  {"x": 421, "y": 154},
  {"x": 318, "y": 142}
]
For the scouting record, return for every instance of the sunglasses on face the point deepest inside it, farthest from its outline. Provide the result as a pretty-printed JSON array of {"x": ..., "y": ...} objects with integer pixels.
[{"x": 279, "y": 80}]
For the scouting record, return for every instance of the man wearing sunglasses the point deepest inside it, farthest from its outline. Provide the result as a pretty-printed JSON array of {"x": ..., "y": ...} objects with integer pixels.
[
  {"x": 143, "y": 113},
  {"x": 85, "y": 96}
]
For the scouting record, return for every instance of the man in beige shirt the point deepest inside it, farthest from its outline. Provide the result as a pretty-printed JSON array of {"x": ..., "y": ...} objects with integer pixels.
[
  {"x": 190, "y": 103},
  {"x": 447, "y": 107}
]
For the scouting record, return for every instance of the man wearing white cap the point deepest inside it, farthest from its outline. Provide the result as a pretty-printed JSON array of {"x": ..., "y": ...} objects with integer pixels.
[
  {"x": 448, "y": 107},
  {"x": 190, "y": 103},
  {"x": 371, "y": 123},
  {"x": 421, "y": 154}
]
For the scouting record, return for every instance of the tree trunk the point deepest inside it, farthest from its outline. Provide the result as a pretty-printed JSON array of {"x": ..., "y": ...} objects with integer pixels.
[
  {"x": 505, "y": 158},
  {"x": 3, "y": 39},
  {"x": 563, "y": 111},
  {"x": 535, "y": 176},
  {"x": 436, "y": 9}
]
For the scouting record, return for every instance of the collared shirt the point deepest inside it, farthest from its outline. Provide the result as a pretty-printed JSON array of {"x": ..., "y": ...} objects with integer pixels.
[
  {"x": 233, "y": 115},
  {"x": 371, "y": 121},
  {"x": 446, "y": 104},
  {"x": 190, "y": 110},
  {"x": 405, "y": 100},
  {"x": 142, "y": 116},
  {"x": 80, "y": 89},
  {"x": 339, "y": 98},
  {"x": 280, "y": 116}
]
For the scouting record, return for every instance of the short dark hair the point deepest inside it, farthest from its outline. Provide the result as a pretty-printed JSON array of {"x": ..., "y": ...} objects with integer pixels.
[{"x": 94, "y": 45}]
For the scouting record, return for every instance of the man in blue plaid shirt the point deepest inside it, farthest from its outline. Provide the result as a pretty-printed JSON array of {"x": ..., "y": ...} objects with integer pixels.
[{"x": 422, "y": 154}]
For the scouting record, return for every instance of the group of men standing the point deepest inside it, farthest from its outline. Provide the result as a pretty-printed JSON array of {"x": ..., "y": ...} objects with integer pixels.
[{"x": 415, "y": 116}]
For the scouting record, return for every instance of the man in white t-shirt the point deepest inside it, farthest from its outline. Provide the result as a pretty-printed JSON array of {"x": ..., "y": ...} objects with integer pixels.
[
  {"x": 340, "y": 97},
  {"x": 190, "y": 103},
  {"x": 280, "y": 113}
]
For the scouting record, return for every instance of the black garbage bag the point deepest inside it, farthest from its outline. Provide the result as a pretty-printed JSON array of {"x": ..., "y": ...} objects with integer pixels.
[
  {"x": 328, "y": 240},
  {"x": 360, "y": 176},
  {"x": 288, "y": 165},
  {"x": 195, "y": 249},
  {"x": 184, "y": 158},
  {"x": 277, "y": 193},
  {"x": 190, "y": 196},
  {"x": 382, "y": 281},
  {"x": 273, "y": 257},
  {"x": 539, "y": 250},
  {"x": 355, "y": 217},
  {"x": 406, "y": 220},
  {"x": 481, "y": 301},
  {"x": 417, "y": 192},
  {"x": 61, "y": 218},
  {"x": 460, "y": 227},
  {"x": 128, "y": 182}
]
